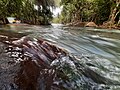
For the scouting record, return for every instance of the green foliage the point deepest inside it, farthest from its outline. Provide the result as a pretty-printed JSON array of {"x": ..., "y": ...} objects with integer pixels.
[
  {"x": 74, "y": 9},
  {"x": 25, "y": 10},
  {"x": 57, "y": 3},
  {"x": 102, "y": 10},
  {"x": 97, "y": 11},
  {"x": 57, "y": 19}
]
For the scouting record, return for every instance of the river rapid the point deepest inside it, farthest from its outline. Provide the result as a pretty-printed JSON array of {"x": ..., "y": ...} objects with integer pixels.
[{"x": 78, "y": 58}]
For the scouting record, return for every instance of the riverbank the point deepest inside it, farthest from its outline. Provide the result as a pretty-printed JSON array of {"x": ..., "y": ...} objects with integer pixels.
[
  {"x": 106, "y": 25},
  {"x": 18, "y": 24},
  {"x": 14, "y": 21}
]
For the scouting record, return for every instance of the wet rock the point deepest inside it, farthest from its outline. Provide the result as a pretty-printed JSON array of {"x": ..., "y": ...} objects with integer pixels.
[
  {"x": 36, "y": 57},
  {"x": 8, "y": 71},
  {"x": 91, "y": 24},
  {"x": 35, "y": 64}
]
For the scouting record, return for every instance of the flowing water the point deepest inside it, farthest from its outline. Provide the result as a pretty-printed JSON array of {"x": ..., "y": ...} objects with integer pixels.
[{"x": 92, "y": 61}]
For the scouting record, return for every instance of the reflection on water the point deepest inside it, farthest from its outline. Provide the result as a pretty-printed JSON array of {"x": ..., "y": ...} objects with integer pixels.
[{"x": 93, "y": 61}]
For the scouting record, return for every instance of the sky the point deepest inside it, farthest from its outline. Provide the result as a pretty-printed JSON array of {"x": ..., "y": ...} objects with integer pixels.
[{"x": 56, "y": 11}]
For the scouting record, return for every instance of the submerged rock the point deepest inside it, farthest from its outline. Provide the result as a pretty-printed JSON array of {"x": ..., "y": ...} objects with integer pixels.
[{"x": 40, "y": 65}]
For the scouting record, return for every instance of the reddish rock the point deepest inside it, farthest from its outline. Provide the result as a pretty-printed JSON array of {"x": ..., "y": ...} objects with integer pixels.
[{"x": 91, "y": 24}]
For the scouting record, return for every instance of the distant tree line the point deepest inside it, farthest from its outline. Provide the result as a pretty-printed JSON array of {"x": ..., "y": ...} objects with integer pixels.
[
  {"x": 26, "y": 10},
  {"x": 98, "y": 11}
]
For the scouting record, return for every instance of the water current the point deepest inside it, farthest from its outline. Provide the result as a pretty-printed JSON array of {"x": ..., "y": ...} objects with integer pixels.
[{"x": 58, "y": 57}]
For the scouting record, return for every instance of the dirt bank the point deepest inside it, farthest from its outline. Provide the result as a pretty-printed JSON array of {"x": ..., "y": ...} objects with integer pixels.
[{"x": 106, "y": 25}]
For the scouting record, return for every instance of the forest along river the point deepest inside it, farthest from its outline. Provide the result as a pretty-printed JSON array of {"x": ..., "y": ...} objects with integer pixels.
[{"x": 71, "y": 58}]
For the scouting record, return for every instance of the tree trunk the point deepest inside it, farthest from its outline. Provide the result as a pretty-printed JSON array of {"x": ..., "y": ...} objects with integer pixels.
[
  {"x": 4, "y": 21},
  {"x": 114, "y": 12}
]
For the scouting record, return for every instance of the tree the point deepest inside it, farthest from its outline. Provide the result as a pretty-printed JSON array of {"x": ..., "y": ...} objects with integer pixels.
[
  {"x": 76, "y": 9},
  {"x": 101, "y": 9},
  {"x": 115, "y": 11},
  {"x": 25, "y": 10},
  {"x": 98, "y": 11}
]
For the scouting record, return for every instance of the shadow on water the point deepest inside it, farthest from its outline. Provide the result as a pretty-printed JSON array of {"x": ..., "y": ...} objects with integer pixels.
[{"x": 32, "y": 63}]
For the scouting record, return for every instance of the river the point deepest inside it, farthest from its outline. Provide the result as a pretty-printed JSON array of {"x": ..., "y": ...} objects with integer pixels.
[{"x": 96, "y": 49}]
